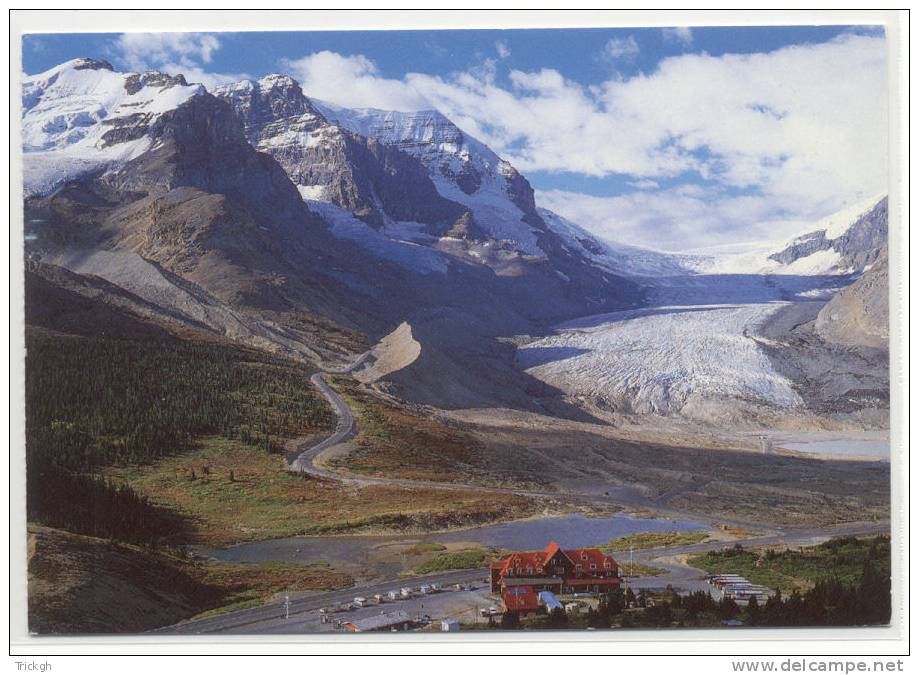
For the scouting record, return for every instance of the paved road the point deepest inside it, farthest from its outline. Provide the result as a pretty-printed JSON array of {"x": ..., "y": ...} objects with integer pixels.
[
  {"x": 271, "y": 618},
  {"x": 346, "y": 428},
  {"x": 264, "y": 619},
  {"x": 257, "y": 619}
]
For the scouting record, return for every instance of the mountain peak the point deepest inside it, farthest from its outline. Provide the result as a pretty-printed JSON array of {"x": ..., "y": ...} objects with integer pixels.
[
  {"x": 86, "y": 63},
  {"x": 82, "y": 116},
  {"x": 274, "y": 101},
  {"x": 277, "y": 80}
]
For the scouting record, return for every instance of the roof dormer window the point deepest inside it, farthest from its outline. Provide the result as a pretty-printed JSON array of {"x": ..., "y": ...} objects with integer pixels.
[{"x": 583, "y": 556}]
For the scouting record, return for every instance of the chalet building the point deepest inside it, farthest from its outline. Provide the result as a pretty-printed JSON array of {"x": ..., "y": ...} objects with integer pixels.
[{"x": 521, "y": 576}]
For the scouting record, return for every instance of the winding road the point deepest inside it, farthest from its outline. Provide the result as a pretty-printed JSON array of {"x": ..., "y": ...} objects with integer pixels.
[
  {"x": 346, "y": 428},
  {"x": 269, "y": 618}
]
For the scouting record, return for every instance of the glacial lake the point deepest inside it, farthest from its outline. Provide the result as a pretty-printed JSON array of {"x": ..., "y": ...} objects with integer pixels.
[
  {"x": 878, "y": 450},
  {"x": 569, "y": 531}
]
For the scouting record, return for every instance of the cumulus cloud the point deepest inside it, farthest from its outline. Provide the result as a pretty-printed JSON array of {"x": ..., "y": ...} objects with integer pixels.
[
  {"x": 502, "y": 49},
  {"x": 140, "y": 49},
  {"x": 185, "y": 53},
  {"x": 621, "y": 49},
  {"x": 352, "y": 81},
  {"x": 679, "y": 34},
  {"x": 674, "y": 219},
  {"x": 803, "y": 128},
  {"x": 798, "y": 131}
]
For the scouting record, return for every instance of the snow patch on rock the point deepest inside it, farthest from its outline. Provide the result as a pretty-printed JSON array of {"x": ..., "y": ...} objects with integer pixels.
[{"x": 407, "y": 254}]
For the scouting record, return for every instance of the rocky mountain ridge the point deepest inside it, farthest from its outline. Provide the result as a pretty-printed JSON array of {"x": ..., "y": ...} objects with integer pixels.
[
  {"x": 211, "y": 232},
  {"x": 373, "y": 181},
  {"x": 856, "y": 247}
]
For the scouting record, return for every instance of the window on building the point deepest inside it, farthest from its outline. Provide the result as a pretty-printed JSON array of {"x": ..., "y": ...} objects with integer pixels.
[
  {"x": 578, "y": 566},
  {"x": 539, "y": 570},
  {"x": 583, "y": 556},
  {"x": 593, "y": 566},
  {"x": 529, "y": 570},
  {"x": 607, "y": 564}
]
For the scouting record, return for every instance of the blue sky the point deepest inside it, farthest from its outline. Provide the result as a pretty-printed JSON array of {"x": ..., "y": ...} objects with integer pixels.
[
  {"x": 654, "y": 136},
  {"x": 574, "y": 53}
]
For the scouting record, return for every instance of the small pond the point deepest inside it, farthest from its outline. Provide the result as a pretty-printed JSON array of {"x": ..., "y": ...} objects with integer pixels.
[{"x": 569, "y": 531}]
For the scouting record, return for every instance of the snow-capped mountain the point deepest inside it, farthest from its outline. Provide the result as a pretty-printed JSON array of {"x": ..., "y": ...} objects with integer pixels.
[
  {"x": 210, "y": 190},
  {"x": 266, "y": 217},
  {"x": 418, "y": 181},
  {"x": 463, "y": 169},
  {"x": 845, "y": 242},
  {"x": 614, "y": 257},
  {"x": 373, "y": 181},
  {"x": 81, "y": 117}
]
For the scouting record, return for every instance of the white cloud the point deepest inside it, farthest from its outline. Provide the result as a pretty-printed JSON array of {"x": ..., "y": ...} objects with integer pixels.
[
  {"x": 174, "y": 53},
  {"x": 621, "y": 49},
  {"x": 139, "y": 50},
  {"x": 678, "y": 34},
  {"x": 352, "y": 81},
  {"x": 803, "y": 127},
  {"x": 502, "y": 49},
  {"x": 674, "y": 219}
]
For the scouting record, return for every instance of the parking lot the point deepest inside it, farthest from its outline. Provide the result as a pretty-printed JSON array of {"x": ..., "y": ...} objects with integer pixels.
[{"x": 463, "y": 605}]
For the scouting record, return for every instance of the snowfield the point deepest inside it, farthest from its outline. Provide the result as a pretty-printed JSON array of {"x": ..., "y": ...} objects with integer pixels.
[{"x": 616, "y": 258}]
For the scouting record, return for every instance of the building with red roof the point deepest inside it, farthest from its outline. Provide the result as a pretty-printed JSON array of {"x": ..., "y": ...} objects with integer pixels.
[
  {"x": 520, "y": 599},
  {"x": 523, "y": 574}
]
